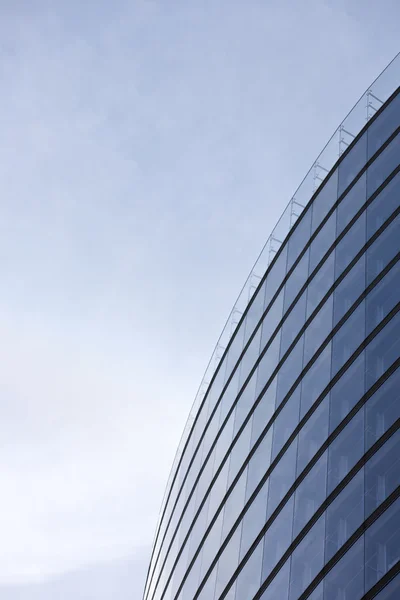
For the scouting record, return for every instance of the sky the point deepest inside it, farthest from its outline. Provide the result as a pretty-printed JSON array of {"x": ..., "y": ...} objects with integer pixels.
[{"x": 147, "y": 148}]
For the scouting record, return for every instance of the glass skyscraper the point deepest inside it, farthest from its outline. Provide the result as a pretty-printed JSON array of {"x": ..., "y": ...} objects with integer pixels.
[{"x": 286, "y": 481}]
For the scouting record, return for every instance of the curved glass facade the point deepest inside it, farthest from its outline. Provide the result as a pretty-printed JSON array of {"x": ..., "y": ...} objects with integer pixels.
[{"x": 286, "y": 485}]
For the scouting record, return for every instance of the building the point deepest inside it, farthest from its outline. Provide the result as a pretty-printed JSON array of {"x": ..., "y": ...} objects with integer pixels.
[{"x": 286, "y": 481}]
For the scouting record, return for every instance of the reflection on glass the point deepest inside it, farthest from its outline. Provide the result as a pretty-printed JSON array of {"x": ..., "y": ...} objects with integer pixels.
[
  {"x": 383, "y": 409},
  {"x": 383, "y": 165},
  {"x": 320, "y": 283},
  {"x": 315, "y": 380},
  {"x": 319, "y": 328},
  {"x": 350, "y": 244},
  {"x": 282, "y": 477},
  {"x": 383, "y": 350},
  {"x": 296, "y": 280},
  {"x": 249, "y": 578},
  {"x": 289, "y": 371},
  {"x": 383, "y": 298},
  {"x": 383, "y": 250},
  {"x": 382, "y": 474},
  {"x": 344, "y": 515},
  {"x": 254, "y": 519},
  {"x": 382, "y": 547},
  {"x": 345, "y": 450},
  {"x": 313, "y": 434},
  {"x": 351, "y": 203},
  {"x": 299, "y": 237},
  {"x": 286, "y": 422},
  {"x": 279, "y": 586},
  {"x": 383, "y": 206},
  {"x": 349, "y": 290},
  {"x": 352, "y": 164},
  {"x": 326, "y": 198},
  {"x": 263, "y": 412},
  {"x": 307, "y": 559},
  {"x": 277, "y": 539},
  {"x": 347, "y": 391},
  {"x": 381, "y": 129},
  {"x": 346, "y": 580},
  {"x": 322, "y": 242},
  {"x": 348, "y": 338},
  {"x": 310, "y": 494}
]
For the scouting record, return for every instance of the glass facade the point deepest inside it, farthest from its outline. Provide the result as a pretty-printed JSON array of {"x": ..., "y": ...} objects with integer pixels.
[{"x": 286, "y": 483}]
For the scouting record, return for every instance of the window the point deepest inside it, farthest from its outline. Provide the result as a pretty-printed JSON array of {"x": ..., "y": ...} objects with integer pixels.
[
  {"x": 315, "y": 380},
  {"x": 286, "y": 422},
  {"x": 249, "y": 578},
  {"x": 383, "y": 165},
  {"x": 382, "y": 409},
  {"x": 351, "y": 243},
  {"x": 345, "y": 451},
  {"x": 320, "y": 283},
  {"x": 348, "y": 338},
  {"x": 381, "y": 129},
  {"x": 277, "y": 538},
  {"x": 383, "y": 298},
  {"x": 313, "y": 434},
  {"x": 383, "y": 351},
  {"x": 293, "y": 323},
  {"x": 382, "y": 474},
  {"x": 322, "y": 242},
  {"x": 307, "y": 559},
  {"x": 349, "y": 290},
  {"x": 352, "y": 163},
  {"x": 299, "y": 237},
  {"x": 383, "y": 250},
  {"x": 296, "y": 280},
  {"x": 319, "y": 328},
  {"x": 347, "y": 391},
  {"x": 383, "y": 206},
  {"x": 326, "y": 198},
  {"x": 346, "y": 580},
  {"x": 310, "y": 494},
  {"x": 282, "y": 478},
  {"x": 351, "y": 203}
]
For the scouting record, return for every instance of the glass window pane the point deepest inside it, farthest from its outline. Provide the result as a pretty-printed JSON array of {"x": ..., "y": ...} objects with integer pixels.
[
  {"x": 383, "y": 298},
  {"x": 346, "y": 450},
  {"x": 351, "y": 203},
  {"x": 352, "y": 164},
  {"x": 279, "y": 586},
  {"x": 383, "y": 206},
  {"x": 249, "y": 578},
  {"x": 307, "y": 559},
  {"x": 319, "y": 328},
  {"x": 313, "y": 434},
  {"x": 346, "y": 580},
  {"x": 326, "y": 198},
  {"x": 344, "y": 515},
  {"x": 275, "y": 276},
  {"x": 293, "y": 323},
  {"x": 277, "y": 539},
  {"x": 249, "y": 358},
  {"x": 348, "y": 290},
  {"x": 383, "y": 409},
  {"x": 310, "y": 494},
  {"x": 382, "y": 474},
  {"x": 391, "y": 591},
  {"x": 348, "y": 338},
  {"x": 296, "y": 280},
  {"x": 271, "y": 319},
  {"x": 234, "y": 504},
  {"x": 254, "y": 313},
  {"x": 289, "y": 371},
  {"x": 259, "y": 463},
  {"x": 282, "y": 478},
  {"x": 299, "y": 237},
  {"x": 347, "y": 391},
  {"x": 322, "y": 242},
  {"x": 320, "y": 283},
  {"x": 381, "y": 129},
  {"x": 286, "y": 422},
  {"x": 254, "y": 519},
  {"x": 245, "y": 402},
  {"x": 381, "y": 168},
  {"x": 263, "y": 412},
  {"x": 352, "y": 242},
  {"x": 382, "y": 545},
  {"x": 268, "y": 363},
  {"x": 383, "y": 250},
  {"x": 227, "y": 563},
  {"x": 383, "y": 351},
  {"x": 315, "y": 380}
]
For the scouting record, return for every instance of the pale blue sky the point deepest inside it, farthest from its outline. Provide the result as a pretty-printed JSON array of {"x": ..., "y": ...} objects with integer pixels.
[{"x": 147, "y": 148}]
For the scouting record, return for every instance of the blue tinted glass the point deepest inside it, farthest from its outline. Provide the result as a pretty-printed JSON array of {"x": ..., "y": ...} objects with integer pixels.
[
  {"x": 381, "y": 168},
  {"x": 352, "y": 242},
  {"x": 352, "y": 164},
  {"x": 282, "y": 477},
  {"x": 322, "y": 242},
  {"x": 348, "y": 338},
  {"x": 313, "y": 434},
  {"x": 229, "y": 396},
  {"x": 383, "y": 351},
  {"x": 279, "y": 586},
  {"x": 259, "y": 463},
  {"x": 235, "y": 350},
  {"x": 391, "y": 591},
  {"x": 254, "y": 313},
  {"x": 319, "y": 328},
  {"x": 286, "y": 422},
  {"x": 344, "y": 515},
  {"x": 277, "y": 539},
  {"x": 249, "y": 578},
  {"x": 293, "y": 323},
  {"x": 310, "y": 494},
  {"x": 268, "y": 363},
  {"x": 275, "y": 276},
  {"x": 326, "y": 198},
  {"x": 249, "y": 358},
  {"x": 245, "y": 402},
  {"x": 296, "y": 280},
  {"x": 381, "y": 129},
  {"x": 271, "y": 319},
  {"x": 383, "y": 409},
  {"x": 263, "y": 411},
  {"x": 239, "y": 452},
  {"x": 299, "y": 237},
  {"x": 307, "y": 559},
  {"x": 254, "y": 519},
  {"x": 351, "y": 203},
  {"x": 318, "y": 593},
  {"x": 383, "y": 206},
  {"x": 348, "y": 290},
  {"x": 383, "y": 250},
  {"x": 346, "y": 580},
  {"x": 346, "y": 450},
  {"x": 382, "y": 547},
  {"x": 227, "y": 563},
  {"x": 290, "y": 370},
  {"x": 315, "y": 380},
  {"x": 320, "y": 283},
  {"x": 383, "y": 298},
  {"x": 382, "y": 474},
  {"x": 347, "y": 392}
]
